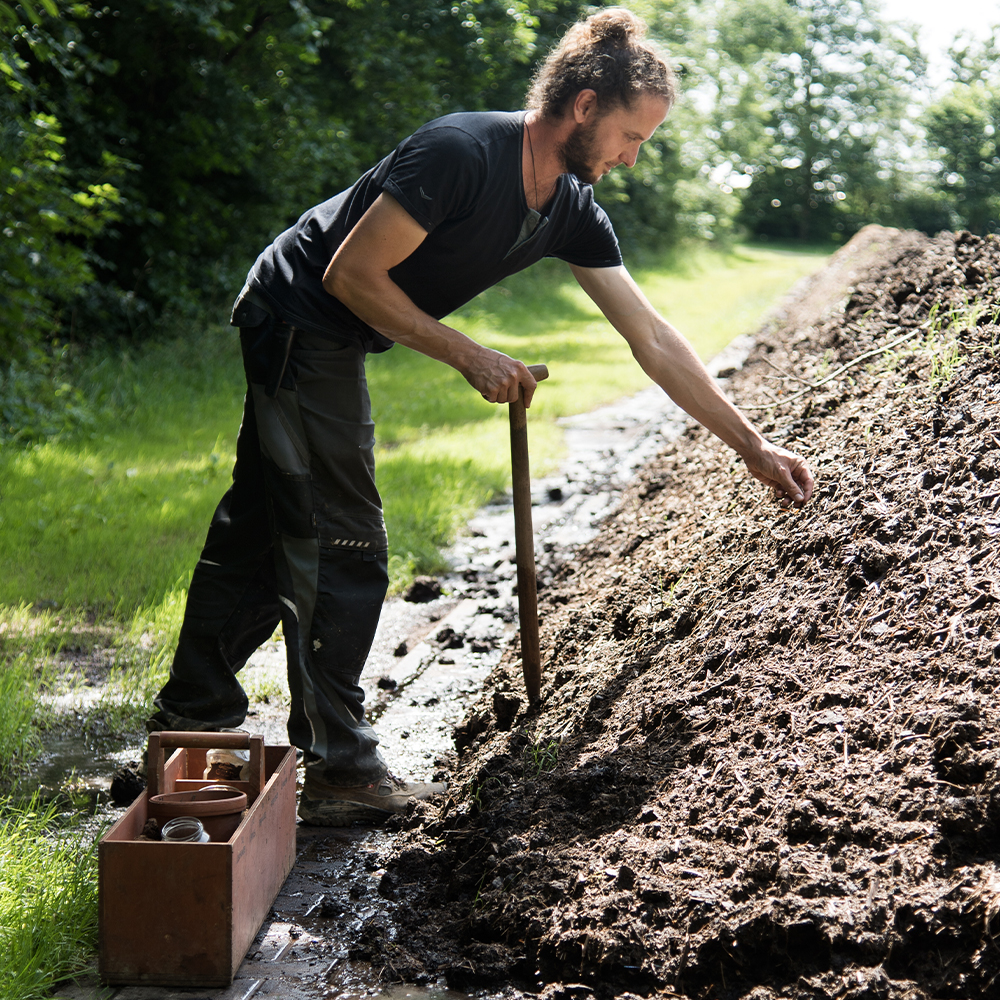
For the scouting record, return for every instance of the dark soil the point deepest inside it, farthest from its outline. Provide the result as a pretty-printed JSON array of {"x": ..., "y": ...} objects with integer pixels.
[{"x": 766, "y": 761}]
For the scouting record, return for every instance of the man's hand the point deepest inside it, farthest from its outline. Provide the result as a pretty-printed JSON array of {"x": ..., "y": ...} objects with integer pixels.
[
  {"x": 785, "y": 472},
  {"x": 498, "y": 378}
]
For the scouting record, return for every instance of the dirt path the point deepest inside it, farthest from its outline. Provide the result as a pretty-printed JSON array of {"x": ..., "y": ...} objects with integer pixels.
[{"x": 765, "y": 761}]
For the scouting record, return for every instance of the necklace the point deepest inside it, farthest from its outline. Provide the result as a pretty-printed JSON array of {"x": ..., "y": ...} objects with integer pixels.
[{"x": 534, "y": 178}]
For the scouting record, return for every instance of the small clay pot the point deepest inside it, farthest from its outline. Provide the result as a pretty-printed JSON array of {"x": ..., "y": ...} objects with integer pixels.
[{"x": 220, "y": 810}]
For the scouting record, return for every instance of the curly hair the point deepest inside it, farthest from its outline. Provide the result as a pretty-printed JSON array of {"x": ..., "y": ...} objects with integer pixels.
[{"x": 606, "y": 53}]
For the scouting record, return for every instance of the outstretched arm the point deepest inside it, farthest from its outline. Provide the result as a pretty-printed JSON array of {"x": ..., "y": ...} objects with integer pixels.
[
  {"x": 668, "y": 359},
  {"x": 358, "y": 275}
]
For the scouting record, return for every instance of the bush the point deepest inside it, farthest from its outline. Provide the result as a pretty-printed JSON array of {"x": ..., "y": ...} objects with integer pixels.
[{"x": 37, "y": 400}]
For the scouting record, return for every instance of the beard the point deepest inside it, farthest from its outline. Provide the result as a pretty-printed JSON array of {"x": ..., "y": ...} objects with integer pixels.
[{"x": 578, "y": 155}]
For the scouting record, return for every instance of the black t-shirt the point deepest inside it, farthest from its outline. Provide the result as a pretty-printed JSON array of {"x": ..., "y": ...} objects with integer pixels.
[{"x": 460, "y": 178}]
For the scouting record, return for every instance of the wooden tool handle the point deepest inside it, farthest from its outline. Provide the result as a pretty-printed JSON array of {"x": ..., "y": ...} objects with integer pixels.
[
  {"x": 524, "y": 542},
  {"x": 165, "y": 740}
]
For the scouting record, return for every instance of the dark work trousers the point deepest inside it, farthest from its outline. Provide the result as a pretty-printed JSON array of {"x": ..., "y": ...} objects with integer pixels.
[{"x": 298, "y": 538}]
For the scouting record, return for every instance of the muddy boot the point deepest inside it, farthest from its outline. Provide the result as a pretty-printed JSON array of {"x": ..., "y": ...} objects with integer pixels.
[{"x": 327, "y": 805}]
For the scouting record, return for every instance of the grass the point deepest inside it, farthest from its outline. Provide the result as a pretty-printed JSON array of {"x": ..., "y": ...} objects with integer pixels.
[
  {"x": 943, "y": 343},
  {"x": 539, "y": 758},
  {"x": 26, "y": 646},
  {"x": 48, "y": 906},
  {"x": 109, "y": 520}
]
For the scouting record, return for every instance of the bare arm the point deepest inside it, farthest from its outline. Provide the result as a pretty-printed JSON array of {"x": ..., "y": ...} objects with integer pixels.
[
  {"x": 668, "y": 359},
  {"x": 358, "y": 275}
]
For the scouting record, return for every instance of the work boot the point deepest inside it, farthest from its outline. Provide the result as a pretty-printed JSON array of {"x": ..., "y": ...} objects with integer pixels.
[{"x": 322, "y": 804}]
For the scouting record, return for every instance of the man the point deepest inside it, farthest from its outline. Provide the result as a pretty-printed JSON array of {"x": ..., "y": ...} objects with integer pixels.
[{"x": 299, "y": 538}]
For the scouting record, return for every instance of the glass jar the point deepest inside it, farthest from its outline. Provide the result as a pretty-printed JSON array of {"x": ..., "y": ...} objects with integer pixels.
[{"x": 184, "y": 830}]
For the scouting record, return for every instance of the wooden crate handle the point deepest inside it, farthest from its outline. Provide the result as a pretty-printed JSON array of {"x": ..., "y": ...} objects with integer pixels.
[{"x": 165, "y": 740}]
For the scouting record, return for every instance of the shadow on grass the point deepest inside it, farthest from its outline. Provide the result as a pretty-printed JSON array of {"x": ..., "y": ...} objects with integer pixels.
[
  {"x": 111, "y": 538},
  {"x": 429, "y": 498}
]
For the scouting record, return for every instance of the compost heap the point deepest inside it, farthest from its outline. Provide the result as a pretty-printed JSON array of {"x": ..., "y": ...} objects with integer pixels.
[{"x": 765, "y": 763}]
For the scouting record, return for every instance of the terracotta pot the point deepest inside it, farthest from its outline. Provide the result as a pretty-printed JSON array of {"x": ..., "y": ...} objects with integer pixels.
[{"x": 220, "y": 810}]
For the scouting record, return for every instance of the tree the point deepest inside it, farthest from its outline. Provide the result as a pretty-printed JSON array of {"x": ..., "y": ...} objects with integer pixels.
[
  {"x": 48, "y": 217},
  {"x": 222, "y": 119},
  {"x": 181, "y": 96},
  {"x": 809, "y": 105},
  {"x": 962, "y": 129}
]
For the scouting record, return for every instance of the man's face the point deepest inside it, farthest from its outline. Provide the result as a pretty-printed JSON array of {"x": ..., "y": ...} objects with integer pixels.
[{"x": 600, "y": 143}]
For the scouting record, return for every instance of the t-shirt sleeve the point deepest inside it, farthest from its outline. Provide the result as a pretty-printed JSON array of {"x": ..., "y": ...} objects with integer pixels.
[
  {"x": 437, "y": 174},
  {"x": 593, "y": 242}
]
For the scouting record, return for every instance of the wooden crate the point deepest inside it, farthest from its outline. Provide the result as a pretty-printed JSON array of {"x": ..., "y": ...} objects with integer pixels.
[{"x": 185, "y": 914}]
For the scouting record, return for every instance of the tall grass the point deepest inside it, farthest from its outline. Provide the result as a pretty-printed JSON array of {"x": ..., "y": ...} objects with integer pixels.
[
  {"x": 48, "y": 902},
  {"x": 25, "y": 640}
]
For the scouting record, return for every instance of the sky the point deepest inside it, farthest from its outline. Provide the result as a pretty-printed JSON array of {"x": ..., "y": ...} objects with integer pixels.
[{"x": 940, "y": 21}]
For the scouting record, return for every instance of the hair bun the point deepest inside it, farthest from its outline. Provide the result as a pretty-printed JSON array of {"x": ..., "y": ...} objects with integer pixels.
[
  {"x": 607, "y": 54},
  {"x": 616, "y": 25}
]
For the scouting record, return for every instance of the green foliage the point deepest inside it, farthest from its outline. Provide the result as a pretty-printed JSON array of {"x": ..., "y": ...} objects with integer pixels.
[
  {"x": 977, "y": 59},
  {"x": 48, "y": 907},
  {"x": 45, "y": 212},
  {"x": 181, "y": 95},
  {"x": 962, "y": 131},
  {"x": 388, "y": 68},
  {"x": 37, "y": 400},
  {"x": 9, "y": 18},
  {"x": 149, "y": 150},
  {"x": 540, "y": 757},
  {"x": 219, "y": 121},
  {"x": 810, "y": 95}
]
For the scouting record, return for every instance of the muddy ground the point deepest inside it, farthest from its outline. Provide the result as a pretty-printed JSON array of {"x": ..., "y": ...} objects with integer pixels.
[{"x": 765, "y": 763}]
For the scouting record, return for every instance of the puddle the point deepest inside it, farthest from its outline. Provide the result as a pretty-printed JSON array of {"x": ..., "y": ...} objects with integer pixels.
[{"x": 76, "y": 768}]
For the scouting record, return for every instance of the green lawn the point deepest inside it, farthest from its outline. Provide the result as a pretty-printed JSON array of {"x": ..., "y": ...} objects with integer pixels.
[{"x": 112, "y": 520}]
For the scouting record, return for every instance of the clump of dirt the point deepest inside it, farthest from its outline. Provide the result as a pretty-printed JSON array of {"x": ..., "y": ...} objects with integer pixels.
[{"x": 765, "y": 763}]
